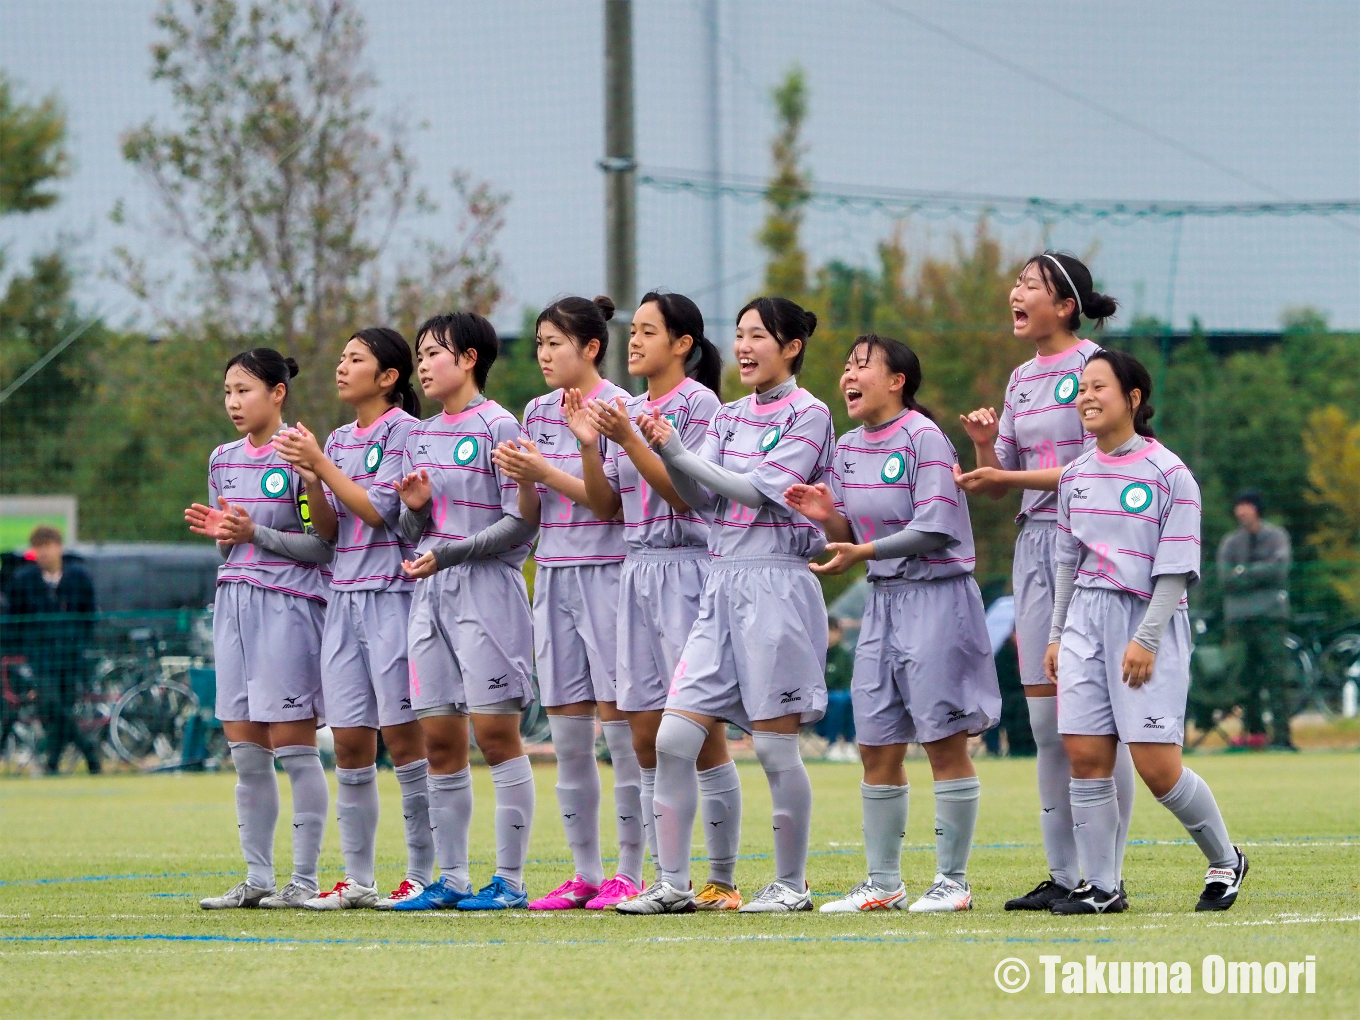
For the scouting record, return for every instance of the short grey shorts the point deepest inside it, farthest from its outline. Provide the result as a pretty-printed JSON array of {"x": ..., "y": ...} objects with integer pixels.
[
  {"x": 267, "y": 647},
  {"x": 923, "y": 666},
  {"x": 1032, "y": 579},
  {"x": 576, "y": 615},
  {"x": 363, "y": 659},
  {"x": 659, "y": 593}
]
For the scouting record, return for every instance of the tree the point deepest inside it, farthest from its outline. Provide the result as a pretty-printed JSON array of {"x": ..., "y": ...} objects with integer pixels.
[
  {"x": 787, "y": 193},
  {"x": 1332, "y": 442},
  {"x": 32, "y": 151}
]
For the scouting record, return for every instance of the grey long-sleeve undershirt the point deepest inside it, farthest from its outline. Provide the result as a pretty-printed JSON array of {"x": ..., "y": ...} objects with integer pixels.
[
  {"x": 691, "y": 474},
  {"x": 1167, "y": 592},
  {"x": 908, "y": 542},
  {"x": 412, "y": 522},
  {"x": 505, "y": 534},
  {"x": 301, "y": 546}
]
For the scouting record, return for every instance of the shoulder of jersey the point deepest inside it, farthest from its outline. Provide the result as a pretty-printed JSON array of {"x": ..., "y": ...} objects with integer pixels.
[
  {"x": 1077, "y": 463},
  {"x": 227, "y": 448},
  {"x": 1165, "y": 459}
]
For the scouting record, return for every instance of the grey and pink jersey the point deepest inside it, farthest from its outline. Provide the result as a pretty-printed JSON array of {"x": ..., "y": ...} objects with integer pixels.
[
  {"x": 369, "y": 559},
  {"x": 468, "y": 491},
  {"x": 1040, "y": 428},
  {"x": 273, "y": 493},
  {"x": 569, "y": 534},
  {"x": 1126, "y": 520},
  {"x": 775, "y": 445},
  {"x": 899, "y": 476},
  {"x": 650, "y": 522}
]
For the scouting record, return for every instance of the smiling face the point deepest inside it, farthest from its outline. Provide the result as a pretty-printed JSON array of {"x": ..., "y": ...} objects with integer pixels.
[
  {"x": 1035, "y": 312},
  {"x": 442, "y": 372},
  {"x": 564, "y": 362},
  {"x": 251, "y": 404},
  {"x": 761, "y": 362},
  {"x": 651, "y": 351},
  {"x": 1104, "y": 407},
  {"x": 358, "y": 378},
  {"x": 872, "y": 393}
]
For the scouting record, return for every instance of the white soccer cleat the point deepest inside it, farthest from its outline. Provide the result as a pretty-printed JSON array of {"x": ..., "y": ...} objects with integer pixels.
[
  {"x": 242, "y": 895},
  {"x": 943, "y": 896},
  {"x": 865, "y": 897},
  {"x": 408, "y": 890},
  {"x": 661, "y": 898},
  {"x": 347, "y": 895},
  {"x": 777, "y": 898},
  {"x": 291, "y": 897}
]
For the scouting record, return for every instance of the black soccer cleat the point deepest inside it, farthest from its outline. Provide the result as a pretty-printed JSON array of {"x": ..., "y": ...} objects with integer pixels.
[
  {"x": 1123, "y": 896},
  {"x": 1041, "y": 897},
  {"x": 1089, "y": 899},
  {"x": 1221, "y": 885}
]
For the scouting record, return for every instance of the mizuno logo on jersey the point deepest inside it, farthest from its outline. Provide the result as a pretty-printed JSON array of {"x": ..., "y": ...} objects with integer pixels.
[
  {"x": 1080, "y": 493},
  {"x": 1022, "y": 398},
  {"x": 227, "y": 484},
  {"x": 731, "y": 433},
  {"x": 423, "y": 450},
  {"x": 790, "y": 696},
  {"x": 546, "y": 440}
]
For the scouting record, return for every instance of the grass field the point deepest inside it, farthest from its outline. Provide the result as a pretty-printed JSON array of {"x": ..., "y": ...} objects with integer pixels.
[{"x": 99, "y": 882}]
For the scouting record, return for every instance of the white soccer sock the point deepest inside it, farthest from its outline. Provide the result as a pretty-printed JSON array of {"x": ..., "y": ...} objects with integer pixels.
[
  {"x": 1125, "y": 786},
  {"x": 648, "y": 800},
  {"x": 356, "y": 814},
  {"x": 450, "y": 814},
  {"x": 627, "y": 797},
  {"x": 885, "y": 826},
  {"x": 1193, "y": 804},
  {"x": 514, "y": 783},
  {"x": 578, "y": 791},
  {"x": 257, "y": 809},
  {"x": 791, "y": 794},
  {"x": 678, "y": 742},
  {"x": 311, "y": 799},
  {"x": 415, "y": 813},
  {"x": 1095, "y": 821},
  {"x": 1055, "y": 799},
  {"x": 720, "y": 805},
  {"x": 956, "y": 809}
]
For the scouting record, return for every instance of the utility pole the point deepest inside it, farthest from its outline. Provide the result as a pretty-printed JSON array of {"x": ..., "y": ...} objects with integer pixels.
[
  {"x": 713, "y": 25},
  {"x": 620, "y": 195}
]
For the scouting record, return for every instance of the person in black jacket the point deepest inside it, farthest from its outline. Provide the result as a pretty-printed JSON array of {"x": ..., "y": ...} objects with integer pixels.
[{"x": 58, "y": 598}]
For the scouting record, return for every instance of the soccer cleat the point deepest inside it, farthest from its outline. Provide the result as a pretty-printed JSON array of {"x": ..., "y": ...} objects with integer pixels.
[
  {"x": 242, "y": 895},
  {"x": 498, "y": 894},
  {"x": 1089, "y": 899},
  {"x": 865, "y": 897},
  {"x": 441, "y": 894},
  {"x": 347, "y": 895},
  {"x": 943, "y": 896},
  {"x": 1221, "y": 885},
  {"x": 291, "y": 897},
  {"x": 1123, "y": 896},
  {"x": 717, "y": 896},
  {"x": 778, "y": 898},
  {"x": 614, "y": 891},
  {"x": 660, "y": 898},
  {"x": 1041, "y": 897},
  {"x": 567, "y": 896},
  {"x": 408, "y": 890}
]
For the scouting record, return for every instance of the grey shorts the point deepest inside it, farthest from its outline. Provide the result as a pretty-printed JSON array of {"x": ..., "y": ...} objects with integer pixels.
[
  {"x": 576, "y": 614},
  {"x": 659, "y": 593},
  {"x": 923, "y": 666},
  {"x": 363, "y": 659},
  {"x": 470, "y": 638},
  {"x": 1032, "y": 579},
  {"x": 1092, "y": 696},
  {"x": 267, "y": 647},
  {"x": 758, "y": 647}
]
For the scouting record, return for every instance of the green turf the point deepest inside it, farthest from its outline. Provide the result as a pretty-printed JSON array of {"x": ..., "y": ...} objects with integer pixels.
[{"x": 130, "y": 939}]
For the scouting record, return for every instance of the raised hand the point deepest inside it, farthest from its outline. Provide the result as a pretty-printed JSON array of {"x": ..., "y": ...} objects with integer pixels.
[
  {"x": 814, "y": 502},
  {"x": 579, "y": 417},
  {"x": 981, "y": 425},
  {"x": 656, "y": 428},
  {"x": 844, "y": 555},
  {"x": 299, "y": 447},
  {"x": 231, "y": 525},
  {"x": 415, "y": 490},
  {"x": 422, "y": 566},
  {"x": 205, "y": 520},
  {"x": 520, "y": 459},
  {"x": 610, "y": 420}
]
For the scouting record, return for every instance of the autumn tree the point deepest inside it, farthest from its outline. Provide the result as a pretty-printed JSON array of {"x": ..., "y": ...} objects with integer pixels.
[{"x": 787, "y": 192}]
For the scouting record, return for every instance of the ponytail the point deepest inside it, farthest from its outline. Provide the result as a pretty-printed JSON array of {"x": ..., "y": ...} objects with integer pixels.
[
  {"x": 392, "y": 351},
  {"x": 899, "y": 360},
  {"x": 266, "y": 365},
  {"x": 785, "y": 321},
  {"x": 581, "y": 320},
  {"x": 1132, "y": 375},
  {"x": 682, "y": 317},
  {"x": 1067, "y": 278}
]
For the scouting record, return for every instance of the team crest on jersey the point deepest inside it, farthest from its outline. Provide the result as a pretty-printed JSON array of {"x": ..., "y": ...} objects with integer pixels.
[
  {"x": 672, "y": 418},
  {"x": 373, "y": 456},
  {"x": 770, "y": 438},
  {"x": 465, "y": 451},
  {"x": 894, "y": 468},
  {"x": 274, "y": 482},
  {"x": 1135, "y": 498},
  {"x": 1066, "y": 390}
]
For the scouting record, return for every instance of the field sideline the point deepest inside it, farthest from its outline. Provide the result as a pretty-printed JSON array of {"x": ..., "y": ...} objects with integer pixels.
[{"x": 99, "y": 882}]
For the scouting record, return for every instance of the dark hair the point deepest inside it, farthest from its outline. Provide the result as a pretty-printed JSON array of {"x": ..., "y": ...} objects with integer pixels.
[
  {"x": 1094, "y": 305},
  {"x": 1252, "y": 496},
  {"x": 392, "y": 351},
  {"x": 1132, "y": 375},
  {"x": 901, "y": 360},
  {"x": 683, "y": 318},
  {"x": 581, "y": 320},
  {"x": 266, "y": 365},
  {"x": 461, "y": 332},
  {"x": 785, "y": 321}
]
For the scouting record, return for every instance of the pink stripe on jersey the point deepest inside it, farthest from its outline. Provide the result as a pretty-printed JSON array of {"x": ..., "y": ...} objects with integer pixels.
[
  {"x": 389, "y": 413},
  {"x": 882, "y": 437},
  {"x": 251, "y": 450},
  {"x": 1128, "y": 458},
  {"x": 1053, "y": 359},
  {"x": 461, "y": 416},
  {"x": 649, "y": 403}
]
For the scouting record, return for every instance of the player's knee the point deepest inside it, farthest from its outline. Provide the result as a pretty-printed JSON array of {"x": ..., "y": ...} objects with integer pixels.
[{"x": 680, "y": 737}]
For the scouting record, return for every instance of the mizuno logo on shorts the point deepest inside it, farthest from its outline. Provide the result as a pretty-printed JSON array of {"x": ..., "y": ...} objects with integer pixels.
[
  {"x": 498, "y": 681},
  {"x": 405, "y": 702},
  {"x": 955, "y": 714},
  {"x": 291, "y": 702},
  {"x": 790, "y": 696},
  {"x": 1154, "y": 722}
]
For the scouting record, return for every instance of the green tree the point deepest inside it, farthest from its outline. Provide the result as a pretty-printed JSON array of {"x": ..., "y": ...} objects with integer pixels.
[
  {"x": 787, "y": 193},
  {"x": 32, "y": 151}
]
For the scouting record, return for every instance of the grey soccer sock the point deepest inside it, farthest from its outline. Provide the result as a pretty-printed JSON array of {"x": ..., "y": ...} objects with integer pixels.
[
  {"x": 450, "y": 814},
  {"x": 257, "y": 809},
  {"x": 578, "y": 791},
  {"x": 956, "y": 810},
  {"x": 627, "y": 797},
  {"x": 1125, "y": 785},
  {"x": 1055, "y": 799},
  {"x": 356, "y": 814},
  {"x": 720, "y": 805},
  {"x": 791, "y": 794},
  {"x": 514, "y": 783},
  {"x": 415, "y": 813},
  {"x": 678, "y": 742},
  {"x": 885, "y": 826},
  {"x": 311, "y": 798},
  {"x": 648, "y": 799},
  {"x": 1095, "y": 821},
  {"x": 1193, "y": 804}
]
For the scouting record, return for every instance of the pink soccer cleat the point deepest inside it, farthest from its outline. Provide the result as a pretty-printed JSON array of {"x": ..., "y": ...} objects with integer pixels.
[
  {"x": 615, "y": 890},
  {"x": 567, "y": 896}
]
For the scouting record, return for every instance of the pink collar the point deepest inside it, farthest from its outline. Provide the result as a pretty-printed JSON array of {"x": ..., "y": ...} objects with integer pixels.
[
  {"x": 1128, "y": 458},
  {"x": 464, "y": 414},
  {"x": 1050, "y": 359},
  {"x": 888, "y": 433},
  {"x": 394, "y": 409},
  {"x": 659, "y": 401},
  {"x": 777, "y": 405},
  {"x": 258, "y": 451}
]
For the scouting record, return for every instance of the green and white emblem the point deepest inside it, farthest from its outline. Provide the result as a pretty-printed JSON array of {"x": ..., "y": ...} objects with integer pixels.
[
  {"x": 1066, "y": 390},
  {"x": 894, "y": 468},
  {"x": 1135, "y": 498},
  {"x": 465, "y": 451},
  {"x": 770, "y": 438},
  {"x": 275, "y": 482},
  {"x": 672, "y": 417},
  {"x": 373, "y": 457}
]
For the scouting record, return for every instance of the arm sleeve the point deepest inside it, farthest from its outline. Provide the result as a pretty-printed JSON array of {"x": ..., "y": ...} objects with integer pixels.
[
  {"x": 1006, "y": 447},
  {"x": 1178, "y": 542},
  {"x": 505, "y": 534},
  {"x": 909, "y": 542},
  {"x": 1166, "y": 596},
  {"x": 802, "y": 454},
  {"x": 412, "y": 523},
  {"x": 691, "y": 474},
  {"x": 1064, "y": 577},
  {"x": 382, "y": 492},
  {"x": 302, "y": 546}
]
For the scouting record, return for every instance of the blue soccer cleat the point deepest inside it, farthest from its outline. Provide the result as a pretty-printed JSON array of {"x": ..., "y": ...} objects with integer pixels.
[
  {"x": 498, "y": 894},
  {"x": 440, "y": 895}
]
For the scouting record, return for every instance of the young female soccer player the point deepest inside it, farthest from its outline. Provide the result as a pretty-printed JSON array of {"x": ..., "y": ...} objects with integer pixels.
[
  {"x": 469, "y": 635},
  {"x": 1119, "y": 648},
  {"x": 1025, "y": 448},
  {"x": 923, "y": 665},
  {"x": 667, "y": 562},
  {"x": 267, "y": 619},
  {"x": 757, "y": 652},
  {"x": 364, "y": 674},
  {"x": 576, "y": 606}
]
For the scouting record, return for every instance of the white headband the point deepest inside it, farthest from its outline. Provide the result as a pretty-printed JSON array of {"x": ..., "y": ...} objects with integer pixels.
[{"x": 1075, "y": 296}]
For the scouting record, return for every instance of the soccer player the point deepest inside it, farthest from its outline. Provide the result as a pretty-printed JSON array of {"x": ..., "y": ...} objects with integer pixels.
[
  {"x": 667, "y": 562},
  {"x": 756, "y": 654},
  {"x": 923, "y": 665},
  {"x": 1119, "y": 647},
  {"x": 364, "y": 673},
  {"x": 469, "y": 637},
  {"x": 1025, "y": 448},
  {"x": 267, "y": 620}
]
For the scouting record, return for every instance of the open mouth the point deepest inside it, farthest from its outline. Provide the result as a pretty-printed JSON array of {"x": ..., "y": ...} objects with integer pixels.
[
  {"x": 852, "y": 394},
  {"x": 746, "y": 364},
  {"x": 1020, "y": 318},
  {"x": 1089, "y": 413}
]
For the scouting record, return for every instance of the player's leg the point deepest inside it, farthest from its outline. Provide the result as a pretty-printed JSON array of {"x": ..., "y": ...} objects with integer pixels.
[
  {"x": 627, "y": 880},
  {"x": 720, "y": 815},
  {"x": 496, "y": 727},
  {"x": 578, "y": 803},
  {"x": 296, "y": 751},
  {"x": 444, "y": 731},
  {"x": 405, "y": 742},
  {"x": 957, "y": 791},
  {"x": 884, "y": 795}
]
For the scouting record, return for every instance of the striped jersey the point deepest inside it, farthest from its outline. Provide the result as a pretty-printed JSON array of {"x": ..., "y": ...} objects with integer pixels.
[
  {"x": 569, "y": 535},
  {"x": 899, "y": 476},
  {"x": 1040, "y": 428},
  {"x": 649, "y": 522},
  {"x": 468, "y": 491},
  {"x": 369, "y": 559},
  {"x": 273, "y": 493},
  {"x": 1126, "y": 520}
]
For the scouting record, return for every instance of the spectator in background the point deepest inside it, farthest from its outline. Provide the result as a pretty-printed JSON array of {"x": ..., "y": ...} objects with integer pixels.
[
  {"x": 837, "y": 727},
  {"x": 59, "y": 597},
  {"x": 1014, "y": 722},
  {"x": 1253, "y": 567}
]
